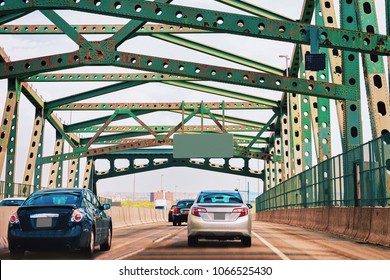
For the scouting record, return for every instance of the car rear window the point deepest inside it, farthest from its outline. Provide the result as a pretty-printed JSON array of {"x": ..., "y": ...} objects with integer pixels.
[
  {"x": 185, "y": 203},
  {"x": 219, "y": 198},
  {"x": 54, "y": 199}
]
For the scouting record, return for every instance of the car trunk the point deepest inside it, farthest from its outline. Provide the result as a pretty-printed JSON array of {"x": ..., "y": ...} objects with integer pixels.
[
  {"x": 222, "y": 212},
  {"x": 51, "y": 217}
]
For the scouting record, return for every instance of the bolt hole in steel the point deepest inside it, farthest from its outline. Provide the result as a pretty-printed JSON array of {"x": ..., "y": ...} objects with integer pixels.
[{"x": 117, "y": 5}]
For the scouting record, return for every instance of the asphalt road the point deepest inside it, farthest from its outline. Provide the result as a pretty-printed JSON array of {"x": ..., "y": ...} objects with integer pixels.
[{"x": 269, "y": 242}]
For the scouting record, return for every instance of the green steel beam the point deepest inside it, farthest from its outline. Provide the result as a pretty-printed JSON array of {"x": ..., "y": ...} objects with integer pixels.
[
  {"x": 84, "y": 124},
  {"x": 162, "y": 129},
  {"x": 259, "y": 27},
  {"x": 218, "y": 53},
  {"x": 158, "y": 106},
  {"x": 323, "y": 107},
  {"x": 262, "y": 131},
  {"x": 353, "y": 132},
  {"x": 28, "y": 92},
  {"x": 72, "y": 139},
  {"x": 147, "y": 29},
  {"x": 224, "y": 92},
  {"x": 123, "y": 137},
  {"x": 377, "y": 88},
  {"x": 9, "y": 129},
  {"x": 100, "y": 56},
  {"x": 164, "y": 160},
  {"x": 130, "y": 29},
  {"x": 89, "y": 94},
  {"x": 106, "y": 77},
  {"x": 255, "y": 10},
  {"x": 228, "y": 119},
  {"x": 67, "y": 28},
  {"x": 138, "y": 144},
  {"x": 10, "y": 17}
]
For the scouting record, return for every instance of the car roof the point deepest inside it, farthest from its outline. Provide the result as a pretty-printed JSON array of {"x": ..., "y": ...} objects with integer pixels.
[
  {"x": 60, "y": 190},
  {"x": 220, "y": 191},
  {"x": 185, "y": 200}
]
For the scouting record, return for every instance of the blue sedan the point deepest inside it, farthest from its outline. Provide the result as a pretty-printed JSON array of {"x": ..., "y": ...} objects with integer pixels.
[{"x": 55, "y": 219}]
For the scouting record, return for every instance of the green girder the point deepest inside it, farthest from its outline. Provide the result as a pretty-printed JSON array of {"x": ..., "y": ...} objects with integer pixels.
[
  {"x": 260, "y": 27},
  {"x": 170, "y": 66}
]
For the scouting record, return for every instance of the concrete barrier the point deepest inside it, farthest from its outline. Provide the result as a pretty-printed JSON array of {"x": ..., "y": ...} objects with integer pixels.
[
  {"x": 379, "y": 226},
  {"x": 362, "y": 223},
  {"x": 368, "y": 224},
  {"x": 338, "y": 220}
]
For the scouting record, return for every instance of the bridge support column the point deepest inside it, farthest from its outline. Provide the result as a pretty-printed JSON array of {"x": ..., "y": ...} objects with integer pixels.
[
  {"x": 88, "y": 174},
  {"x": 8, "y": 134},
  {"x": 34, "y": 150},
  {"x": 73, "y": 173},
  {"x": 55, "y": 176}
]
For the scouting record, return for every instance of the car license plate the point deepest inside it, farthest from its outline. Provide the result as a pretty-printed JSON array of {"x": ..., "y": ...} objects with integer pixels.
[
  {"x": 44, "y": 222},
  {"x": 184, "y": 212},
  {"x": 219, "y": 216}
]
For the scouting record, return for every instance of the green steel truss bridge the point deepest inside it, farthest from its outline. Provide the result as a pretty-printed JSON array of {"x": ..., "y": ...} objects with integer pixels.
[{"x": 280, "y": 116}]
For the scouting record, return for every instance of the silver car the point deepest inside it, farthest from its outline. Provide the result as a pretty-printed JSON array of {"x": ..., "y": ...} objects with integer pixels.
[{"x": 219, "y": 215}]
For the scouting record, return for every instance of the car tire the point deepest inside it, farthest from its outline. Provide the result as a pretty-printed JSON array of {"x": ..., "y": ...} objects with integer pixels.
[
  {"x": 174, "y": 223},
  {"x": 179, "y": 223},
  {"x": 192, "y": 241},
  {"x": 246, "y": 241},
  {"x": 16, "y": 253},
  {"x": 107, "y": 244},
  {"x": 90, "y": 249}
]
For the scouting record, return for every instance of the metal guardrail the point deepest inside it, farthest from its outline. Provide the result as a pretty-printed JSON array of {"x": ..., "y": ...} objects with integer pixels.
[
  {"x": 23, "y": 190},
  {"x": 359, "y": 177}
]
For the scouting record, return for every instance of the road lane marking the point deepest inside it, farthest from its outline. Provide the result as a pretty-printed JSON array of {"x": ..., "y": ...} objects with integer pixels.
[
  {"x": 162, "y": 238},
  {"x": 272, "y": 247}
]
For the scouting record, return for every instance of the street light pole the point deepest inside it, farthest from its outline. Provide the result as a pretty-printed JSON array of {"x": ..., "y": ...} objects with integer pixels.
[{"x": 161, "y": 182}]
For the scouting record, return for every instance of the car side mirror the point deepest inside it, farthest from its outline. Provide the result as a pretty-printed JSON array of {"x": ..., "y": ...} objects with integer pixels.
[
  {"x": 249, "y": 206},
  {"x": 106, "y": 206}
]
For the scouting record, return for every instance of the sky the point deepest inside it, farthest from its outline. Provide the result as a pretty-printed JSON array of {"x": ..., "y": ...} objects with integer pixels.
[{"x": 180, "y": 179}]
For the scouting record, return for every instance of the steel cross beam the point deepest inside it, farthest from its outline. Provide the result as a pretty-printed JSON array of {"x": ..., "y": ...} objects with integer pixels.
[
  {"x": 159, "y": 106},
  {"x": 259, "y": 27},
  {"x": 87, "y": 29},
  {"x": 100, "y": 56},
  {"x": 138, "y": 144},
  {"x": 159, "y": 128}
]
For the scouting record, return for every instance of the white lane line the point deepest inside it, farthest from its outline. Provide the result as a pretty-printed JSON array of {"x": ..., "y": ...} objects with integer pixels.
[
  {"x": 130, "y": 254},
  {"x": 272, "y": 247},
  {"x": 162, "y": 238}
]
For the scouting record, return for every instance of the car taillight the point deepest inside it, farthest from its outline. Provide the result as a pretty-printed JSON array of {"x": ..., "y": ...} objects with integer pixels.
[
  {"x": 196, "y": 210},
  {"x": 77, "y": 215},
  {"x": 175, "y": 211},
  {"x": 243, "y": 211},
  {"x": 14, "y": 219}
]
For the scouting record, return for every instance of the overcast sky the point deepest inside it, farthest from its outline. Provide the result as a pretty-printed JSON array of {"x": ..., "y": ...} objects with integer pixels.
[{"x": 186, "y": 179}]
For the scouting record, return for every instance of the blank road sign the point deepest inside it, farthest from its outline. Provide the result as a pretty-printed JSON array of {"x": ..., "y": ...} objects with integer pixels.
[{"x": 203, "y": 145}]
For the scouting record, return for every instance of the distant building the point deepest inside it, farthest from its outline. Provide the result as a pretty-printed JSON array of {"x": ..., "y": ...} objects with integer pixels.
[{"x": 161, "y": 195}]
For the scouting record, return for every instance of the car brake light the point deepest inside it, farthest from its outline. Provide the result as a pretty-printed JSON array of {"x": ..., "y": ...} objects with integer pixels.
[
  {"x": 14, "y": 219},
  {"x": 196, "y": 210},
  {"x": 176, "y": 211},
  {"x": 243, "y": 211},
  {"x": 77, "y": 215}
]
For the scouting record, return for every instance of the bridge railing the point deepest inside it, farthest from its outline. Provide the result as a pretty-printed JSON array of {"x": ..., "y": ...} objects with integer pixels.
[{"x": 359, "y": 177}]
